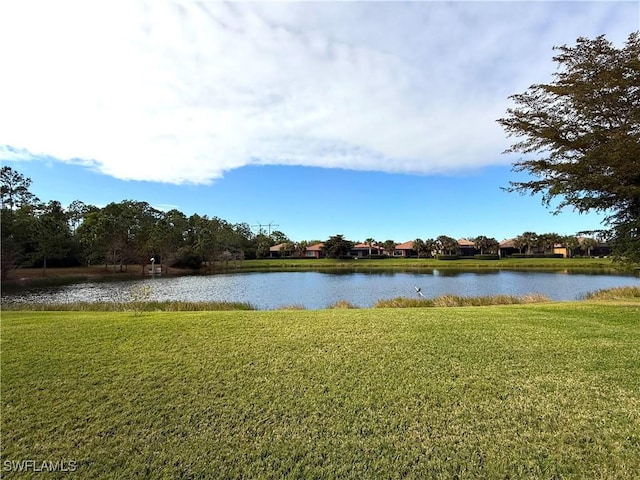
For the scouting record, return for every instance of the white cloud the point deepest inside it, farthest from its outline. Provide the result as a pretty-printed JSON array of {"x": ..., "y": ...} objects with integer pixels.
[{"x": 184, "y": 91}]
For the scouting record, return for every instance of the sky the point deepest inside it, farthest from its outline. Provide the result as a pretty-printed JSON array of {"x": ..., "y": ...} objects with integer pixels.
[{"x": 368, "y": 119}]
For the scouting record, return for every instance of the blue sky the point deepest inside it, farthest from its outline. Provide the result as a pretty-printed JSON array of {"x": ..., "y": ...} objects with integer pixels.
[{"x": 369, "y": 119}]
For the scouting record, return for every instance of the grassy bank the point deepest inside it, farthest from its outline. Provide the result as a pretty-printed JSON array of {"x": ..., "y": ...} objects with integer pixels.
[
  {"x": 429, "y": 263},
  {"x": 517, "y": 391}
]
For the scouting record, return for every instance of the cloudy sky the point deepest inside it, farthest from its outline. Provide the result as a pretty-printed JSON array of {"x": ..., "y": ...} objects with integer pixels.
[{"x": 322, "y": 117}]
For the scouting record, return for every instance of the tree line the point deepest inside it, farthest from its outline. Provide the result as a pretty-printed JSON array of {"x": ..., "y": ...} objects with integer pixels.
[{"x": 39, "y": 234}]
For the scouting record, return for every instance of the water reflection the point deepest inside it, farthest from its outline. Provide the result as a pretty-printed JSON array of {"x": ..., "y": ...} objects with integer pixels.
[{"x": 321, "y": 289}]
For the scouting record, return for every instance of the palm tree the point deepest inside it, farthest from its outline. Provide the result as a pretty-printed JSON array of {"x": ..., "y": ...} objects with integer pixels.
[
  {"x": 548, "y": 241},
  {"x": 370, "y": 242},
  {"x": 530, "y": 240},
  {"x": 418, "y": 246},
  {"x": 570, "y": 243},
  {"x": 519, "y": 242},
  {"x": 300, "y": 248},
  {"x": 430, "y": 246},
  {"x": 589, "y": 244},
  {"x": 447, "y": 244},
  {"x": 483, "y": 244},
  {"x": 389, "y": 246}
]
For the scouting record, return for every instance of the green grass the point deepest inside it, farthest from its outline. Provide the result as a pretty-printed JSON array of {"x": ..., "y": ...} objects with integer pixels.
[
  {"x": 429, "y": 263},
  {"x": 519, "y": 391}
]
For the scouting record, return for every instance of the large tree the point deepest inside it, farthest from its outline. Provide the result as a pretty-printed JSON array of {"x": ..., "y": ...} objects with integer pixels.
[
  {"x": 167, "y": 237},
  {"x": 51, "y": 234},
  {"x": 17, "y": 207},
  {"x": 14, "y": 189},
  {"x": 337, "y": 246},
  {"x": 581, "y": 133}
]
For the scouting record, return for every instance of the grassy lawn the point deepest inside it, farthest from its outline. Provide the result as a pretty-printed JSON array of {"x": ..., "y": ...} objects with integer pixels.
[{"x": 517, "y": 391}]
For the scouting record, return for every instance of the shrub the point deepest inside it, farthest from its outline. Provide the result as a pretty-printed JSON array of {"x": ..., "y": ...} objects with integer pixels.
[
  {"x": 487, "y": 256},
  {"x": 342, "y": 304},
  {"x": 295, "y": 306},
  {"x": 404, "y": 302},
  {"x": 448, "y": 257},
  {"x": 459, "y": 301},
  {"x": 187, "y": 258},
  {"x": 617, "y": 293}
]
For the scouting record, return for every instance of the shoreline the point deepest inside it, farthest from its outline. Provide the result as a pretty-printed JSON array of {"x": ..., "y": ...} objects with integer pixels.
[{"x": 26, "y": 278}]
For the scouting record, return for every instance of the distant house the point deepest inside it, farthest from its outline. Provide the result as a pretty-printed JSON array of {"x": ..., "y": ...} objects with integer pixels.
[
  {"x": 600, "y": 249},
  {"x": 467, "y": 248},
  {"x": 507, "y": 248},
  {"x": 363, "y": 249},
  {"x": 405, "y": 250},
  {"x": 559, "y": 249},
  {"x": 278, "y": 252},
  {"x": 603, "y": 249},
  {"x": 314, "y": 251}
]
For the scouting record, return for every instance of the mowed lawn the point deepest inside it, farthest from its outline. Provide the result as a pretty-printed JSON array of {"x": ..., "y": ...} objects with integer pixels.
[{"x": 525, "y": 391}]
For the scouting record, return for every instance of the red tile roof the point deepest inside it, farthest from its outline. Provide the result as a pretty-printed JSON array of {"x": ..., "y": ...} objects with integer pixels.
[{"x": 463, "y": 242}]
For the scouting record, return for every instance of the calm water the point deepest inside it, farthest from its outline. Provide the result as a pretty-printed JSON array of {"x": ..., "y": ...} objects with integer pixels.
[{"x": 316, "y": 290}]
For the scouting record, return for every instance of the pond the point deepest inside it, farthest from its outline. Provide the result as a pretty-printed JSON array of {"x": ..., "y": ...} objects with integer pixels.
[{"x": 316, "y": 290}]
